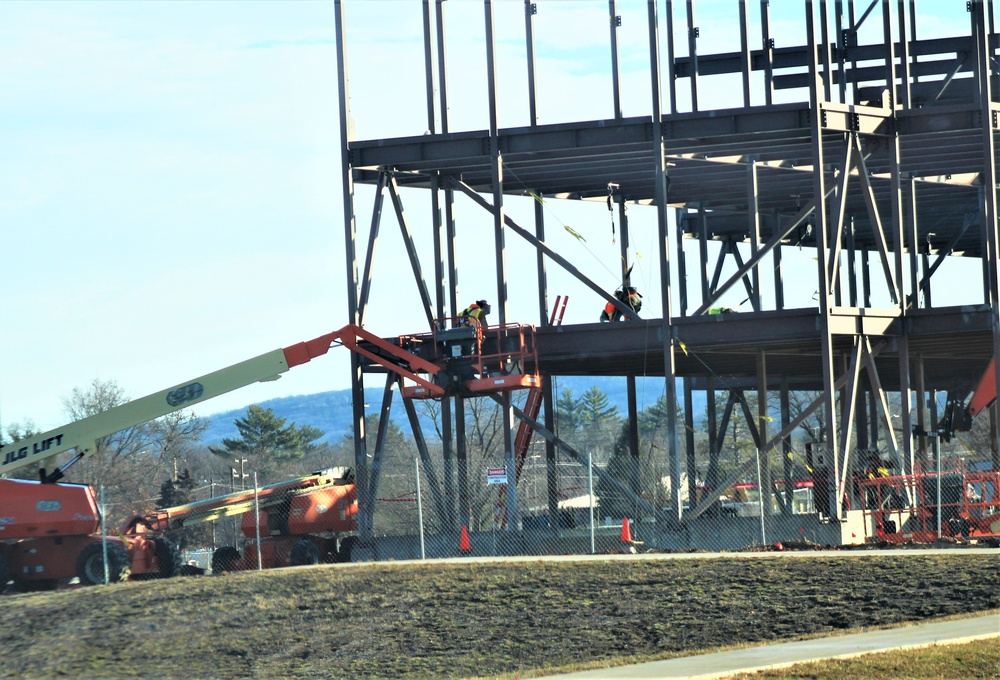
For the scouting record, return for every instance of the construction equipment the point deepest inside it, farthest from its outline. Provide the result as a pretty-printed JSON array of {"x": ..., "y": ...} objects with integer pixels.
[
  {"x": 959, "y": 411},
  {"x": 957, "y": 502},
  {"x": 307, "y": 520},
  {"x": 931, "y": 504},
  {"x": 462, "y": 360},
  {"x": 49, "y": 530}
]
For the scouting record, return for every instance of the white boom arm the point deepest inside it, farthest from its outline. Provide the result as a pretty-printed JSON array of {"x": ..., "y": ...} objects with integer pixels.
[{"x": 83, "y": 434}]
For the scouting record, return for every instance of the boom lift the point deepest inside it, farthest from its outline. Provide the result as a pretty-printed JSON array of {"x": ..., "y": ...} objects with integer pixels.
[
  {"x": 957, "y": 502},
  {"x": 302, "y": 521},
  {"x": 48, "y": 530},
  {"x": 959, "y": 413},
  {"x": 954, "y": 503}
]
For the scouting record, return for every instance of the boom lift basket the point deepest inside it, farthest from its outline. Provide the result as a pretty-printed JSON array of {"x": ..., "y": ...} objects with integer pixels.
[{"x": 475, "y": 361}]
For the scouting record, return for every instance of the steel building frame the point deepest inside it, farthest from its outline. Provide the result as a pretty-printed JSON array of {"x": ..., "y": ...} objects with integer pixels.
[{"x": 891, "y": 155}]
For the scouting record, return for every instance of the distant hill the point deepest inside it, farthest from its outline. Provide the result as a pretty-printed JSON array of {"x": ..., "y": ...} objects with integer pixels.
[{"x": 331, "y": 411}]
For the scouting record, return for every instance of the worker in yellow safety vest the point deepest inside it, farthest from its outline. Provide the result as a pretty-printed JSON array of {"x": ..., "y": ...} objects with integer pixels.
[{"x": 475, "y": 314}]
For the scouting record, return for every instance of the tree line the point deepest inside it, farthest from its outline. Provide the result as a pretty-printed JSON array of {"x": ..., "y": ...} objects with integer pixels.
[{"x": 164, "y": 463}]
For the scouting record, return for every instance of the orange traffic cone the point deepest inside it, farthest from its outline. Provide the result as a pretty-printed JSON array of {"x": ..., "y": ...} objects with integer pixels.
[
  {"x": 463, "y": 541},
  {"x": 626, "y": 531}
]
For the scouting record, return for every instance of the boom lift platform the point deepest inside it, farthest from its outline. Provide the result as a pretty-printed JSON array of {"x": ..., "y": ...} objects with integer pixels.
[{"x": 462, "y": 360}]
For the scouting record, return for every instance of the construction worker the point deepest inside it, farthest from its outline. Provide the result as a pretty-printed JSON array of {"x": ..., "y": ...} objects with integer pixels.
[
  {"x": 475, "y": 314},
  {"x": 628, "y": 295}
]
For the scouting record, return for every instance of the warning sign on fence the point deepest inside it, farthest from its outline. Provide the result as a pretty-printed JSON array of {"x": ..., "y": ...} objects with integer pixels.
[{"x": 496, "y": 475}]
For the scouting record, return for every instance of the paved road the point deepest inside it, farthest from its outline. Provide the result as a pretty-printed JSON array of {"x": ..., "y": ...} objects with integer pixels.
[{"x": 723, "y": 664}]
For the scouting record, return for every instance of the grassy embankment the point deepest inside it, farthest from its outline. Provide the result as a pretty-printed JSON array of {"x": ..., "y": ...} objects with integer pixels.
[{"x": 474, "y": 620}]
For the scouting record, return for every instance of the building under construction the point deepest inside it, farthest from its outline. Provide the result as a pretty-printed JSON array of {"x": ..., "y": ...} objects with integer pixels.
[{"x": 857, "y": 141}]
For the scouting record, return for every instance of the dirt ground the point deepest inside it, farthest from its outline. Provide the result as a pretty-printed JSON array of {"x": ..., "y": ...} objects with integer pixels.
[{"x": 466, "y": 620}]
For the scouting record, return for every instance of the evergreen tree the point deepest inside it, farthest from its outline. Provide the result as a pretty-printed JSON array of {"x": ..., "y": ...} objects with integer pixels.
[
  {"x": 265, "y": 440},
  {"x": 568, "y": 415},
  {"x": 594, "y": 408},
  {"x": 176, "y": 491},
  {"x": 653, "y": 419},
  {"x": 180, "y": 491}
]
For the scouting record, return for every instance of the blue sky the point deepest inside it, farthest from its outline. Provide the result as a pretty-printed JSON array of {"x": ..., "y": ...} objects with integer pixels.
[{"x": 171, "y": 182}]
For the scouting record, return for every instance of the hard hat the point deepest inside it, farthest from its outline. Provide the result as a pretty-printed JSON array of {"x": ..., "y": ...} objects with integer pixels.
[{"x": 482, "y": 303}]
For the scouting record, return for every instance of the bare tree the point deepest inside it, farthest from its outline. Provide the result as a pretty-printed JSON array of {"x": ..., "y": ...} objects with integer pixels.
[
  {"x": 174, "y": 437},
  {"x": 123, "y": 463}
]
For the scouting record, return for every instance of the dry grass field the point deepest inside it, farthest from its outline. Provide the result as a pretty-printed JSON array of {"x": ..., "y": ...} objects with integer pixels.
[{"x": 465, "y": 620}]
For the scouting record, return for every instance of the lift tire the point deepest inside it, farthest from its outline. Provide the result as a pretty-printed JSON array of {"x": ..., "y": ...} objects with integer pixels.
[
  {"x": 90, "y": 563},
  {"x": 224, "y": 559},
  {"x": 346, "y": 546},
  {"x": 304, "y": 552},
  {"x": 169, "y": 557}
]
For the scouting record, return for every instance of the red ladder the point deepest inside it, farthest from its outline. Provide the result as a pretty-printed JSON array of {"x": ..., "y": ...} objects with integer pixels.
[{"x": 522, "y": 441}]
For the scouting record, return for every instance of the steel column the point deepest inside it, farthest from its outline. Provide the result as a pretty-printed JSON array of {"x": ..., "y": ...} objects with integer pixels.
[
  {"x": 786, "y": 446},
  {"x": 767, "y": 46},
  {"x": 985, "y": 71},
  {"x": 692, "y": 32},
  {"x": 366, "y": 501},
  {"x": 746, "y": 64},
  {"x": 762, "y": 419},
  {"x": 822, "y": 247},
  {"x": 529, "y": 43},
  {"x": 501, "y": 264},
  {"x": 753, "y": 217},
  {"x": 616, "y": 91},
  {"x": 896, "y": 181},
  {"x": 660, "y": 170}
]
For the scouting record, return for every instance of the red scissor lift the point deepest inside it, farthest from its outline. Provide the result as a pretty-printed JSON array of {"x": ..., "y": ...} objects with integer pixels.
[{"x": 911, "y": 508}]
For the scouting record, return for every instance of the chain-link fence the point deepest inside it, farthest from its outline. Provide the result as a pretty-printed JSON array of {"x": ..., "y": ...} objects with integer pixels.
[
  {"x": 594, "y": 508},
  {"x": 593, "y": 493}
]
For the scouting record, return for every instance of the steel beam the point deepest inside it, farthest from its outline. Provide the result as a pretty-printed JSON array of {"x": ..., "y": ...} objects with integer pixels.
[
  {"x": 659, "y": 170},
  {"x": 366, "y": 502},
  {"x": 411, "y": 252},
  {"x": 615, "y": 21},
  {"x": 985, "y": 69},
  {"x": 366, "y": 280}
]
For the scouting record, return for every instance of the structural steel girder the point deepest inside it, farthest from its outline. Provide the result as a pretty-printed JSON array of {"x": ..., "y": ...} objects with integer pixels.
[{"x": 890, "y": 154}]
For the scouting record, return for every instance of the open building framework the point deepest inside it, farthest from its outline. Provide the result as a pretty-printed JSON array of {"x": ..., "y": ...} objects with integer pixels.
[{"x": 888, "y": 161}]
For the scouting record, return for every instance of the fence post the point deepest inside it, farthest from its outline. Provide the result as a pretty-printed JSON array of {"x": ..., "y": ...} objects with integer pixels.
[
  {"x": 760, "y": 500},
  {"x": 256, "y": 509},
  {"x": 104, "y": 537},
  {"x": 590, "y": 491},
  {"x": 420, "y": 509}
]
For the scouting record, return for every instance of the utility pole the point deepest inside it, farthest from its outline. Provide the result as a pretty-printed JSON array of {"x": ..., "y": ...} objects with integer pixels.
[
  {"x": 211, "y": 494},
  {"x": 242, "y": 473}
]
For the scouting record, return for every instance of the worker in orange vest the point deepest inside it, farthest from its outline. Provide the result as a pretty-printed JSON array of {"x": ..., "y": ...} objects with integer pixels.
[{"x": 630, "y": 296}]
